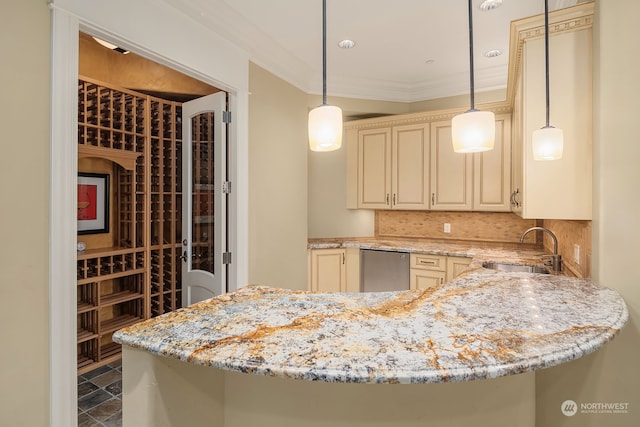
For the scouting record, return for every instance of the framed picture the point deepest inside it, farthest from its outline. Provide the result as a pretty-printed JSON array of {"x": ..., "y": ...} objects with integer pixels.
[{"x": 93, "y": 203}]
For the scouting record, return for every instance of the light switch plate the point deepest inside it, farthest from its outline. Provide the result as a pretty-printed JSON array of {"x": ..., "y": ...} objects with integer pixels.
[{"x": 447, "y": 227}]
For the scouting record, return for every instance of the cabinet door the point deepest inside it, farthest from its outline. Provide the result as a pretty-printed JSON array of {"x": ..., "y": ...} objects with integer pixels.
[
  {"x": 456, "y": 265},
  {"x": 374, "y": 168},
  {"x": 422, "y": 279},
  {"x": 328, "y": 272},
  {"x": 410, "y": 167},
  {"x": 492, "y": 171},
  {"x": 517, "y": 160},
  {"x": 451, "y": 172},
  {"x": 559, "y": 189}
]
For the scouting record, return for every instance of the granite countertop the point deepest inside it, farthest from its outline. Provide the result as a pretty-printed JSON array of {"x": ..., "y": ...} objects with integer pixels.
[
  {"x": 483, "y": 324},
  {"x": 523, "y": 254}
]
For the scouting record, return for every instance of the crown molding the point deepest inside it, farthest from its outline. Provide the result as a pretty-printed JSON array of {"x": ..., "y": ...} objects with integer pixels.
[
  {"x": 423, "y": 116},
  {"x": 574, "y": 18}
]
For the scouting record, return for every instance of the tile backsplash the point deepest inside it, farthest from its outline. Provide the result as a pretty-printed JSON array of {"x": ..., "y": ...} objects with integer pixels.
[
  {"x": 466, "y": 226},
  {"x": 570, "y": 233}
]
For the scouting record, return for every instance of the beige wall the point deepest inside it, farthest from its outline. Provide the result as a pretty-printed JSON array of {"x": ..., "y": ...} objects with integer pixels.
[
  {"x": 611, "y": 374},
  {"x": 328, "y": 215},
  {"x": 24, "y": 230},
  {"x": 277, "y": 182}
]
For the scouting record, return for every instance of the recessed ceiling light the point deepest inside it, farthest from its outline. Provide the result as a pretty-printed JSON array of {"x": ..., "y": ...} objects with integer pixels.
[
  {"x": 490, "y": 4},
  {"x": 346, "y": 44},
  {"x": 493, "y": 53},
  {"x": 111, "y": 46}
]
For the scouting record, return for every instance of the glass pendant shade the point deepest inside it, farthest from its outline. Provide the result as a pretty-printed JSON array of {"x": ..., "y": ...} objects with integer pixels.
[
  {"x": 325, "y": 128},
  {"x": 547, "y": 143},
  {"x": 473, "y": 131}
]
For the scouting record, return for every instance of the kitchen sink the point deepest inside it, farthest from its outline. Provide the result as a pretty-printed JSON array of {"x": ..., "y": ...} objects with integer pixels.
[{"x": 515, "y": 268}]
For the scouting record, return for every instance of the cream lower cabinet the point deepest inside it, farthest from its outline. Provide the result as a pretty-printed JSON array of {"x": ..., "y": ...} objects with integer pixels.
[
  {"x": 456, "y": 265},
  {"x": 427, "y": 271},
  {"x": 433, "y": 270},
  {"x": 334, "y": 270},
  {"x": 393, "y": 168},
  {"x": 555, "y": 189},
  {"x": 465, "y": 182}
]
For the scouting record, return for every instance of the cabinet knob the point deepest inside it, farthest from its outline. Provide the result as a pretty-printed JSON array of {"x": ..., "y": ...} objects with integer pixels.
[
  {"x": 387, "y": 198},
  {"x": 394, "y": 199},
  {"x": 433, "y": 199}
]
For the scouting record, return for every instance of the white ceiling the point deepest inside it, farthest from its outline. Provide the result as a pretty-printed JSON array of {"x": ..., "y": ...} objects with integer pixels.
[{"x": 394, "y": 39}]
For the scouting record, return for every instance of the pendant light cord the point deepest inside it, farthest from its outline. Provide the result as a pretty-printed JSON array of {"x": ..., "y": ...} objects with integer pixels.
[
  {"x": 472, "y": 84},
  {"x": 324, "y": 52},
  {"x": 546, "y": 52}
]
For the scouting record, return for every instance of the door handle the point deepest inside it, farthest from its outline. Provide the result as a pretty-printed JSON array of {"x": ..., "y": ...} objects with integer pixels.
[{"x": 183, "y": 257}]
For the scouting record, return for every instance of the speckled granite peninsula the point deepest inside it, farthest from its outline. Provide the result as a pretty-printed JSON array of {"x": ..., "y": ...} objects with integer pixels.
[{"x": 485, "y": 324}]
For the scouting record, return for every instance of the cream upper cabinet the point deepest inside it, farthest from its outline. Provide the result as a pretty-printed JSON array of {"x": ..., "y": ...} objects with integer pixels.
[
  {"x": 479, "y": 181},
  {"x": 556, "y": 189},
  {"x": 393, "y": 166},
  {"x": 492, "y": 171},
  {"x": 451, "y": 172},
  {"x": 410, "y": 167},
  {"x": 407, "y": 162},
  {"x": 374, "y": 168}
]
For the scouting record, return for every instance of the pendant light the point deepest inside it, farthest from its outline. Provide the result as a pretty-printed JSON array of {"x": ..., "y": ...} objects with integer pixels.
[
  {"x": 325, "y": 121},
  {"x": 547, "y": 141},
  {"x": 473, "y": 131}
]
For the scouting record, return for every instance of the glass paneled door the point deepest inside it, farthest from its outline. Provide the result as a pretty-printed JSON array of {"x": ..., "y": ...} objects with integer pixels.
[{"x": 204, "y": 227}]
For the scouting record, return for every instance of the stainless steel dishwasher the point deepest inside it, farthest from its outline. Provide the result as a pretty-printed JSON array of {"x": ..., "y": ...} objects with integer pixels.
[{"x": 383, "y": 270}]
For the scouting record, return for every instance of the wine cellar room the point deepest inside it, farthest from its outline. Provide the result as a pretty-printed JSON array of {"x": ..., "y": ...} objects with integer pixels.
[{"x": 129, "y": 193}]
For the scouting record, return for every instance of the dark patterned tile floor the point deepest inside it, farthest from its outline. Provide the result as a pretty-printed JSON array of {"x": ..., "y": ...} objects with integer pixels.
[{"x": 100, "y": 397}]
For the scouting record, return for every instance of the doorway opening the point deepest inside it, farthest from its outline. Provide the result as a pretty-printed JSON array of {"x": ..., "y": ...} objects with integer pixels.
[{"x": 130, "y": 130}]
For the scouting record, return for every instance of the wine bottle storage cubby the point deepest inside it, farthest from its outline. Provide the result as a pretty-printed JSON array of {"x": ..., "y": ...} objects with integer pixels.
[
  {"x": 104, "y": 307},
  {"x": 87, "y": 355},
  {"x": 140, "y": 276},
  {"x": 110, "y": 118},
  {"x": 97, "y": 264}
]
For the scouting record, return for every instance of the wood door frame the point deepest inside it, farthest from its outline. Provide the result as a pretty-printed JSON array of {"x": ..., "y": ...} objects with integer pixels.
[{"x": 68, "y": 18}]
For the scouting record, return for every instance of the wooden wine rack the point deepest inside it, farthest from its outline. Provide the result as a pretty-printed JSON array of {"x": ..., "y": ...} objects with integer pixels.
[{"x": 139, "y": 277}]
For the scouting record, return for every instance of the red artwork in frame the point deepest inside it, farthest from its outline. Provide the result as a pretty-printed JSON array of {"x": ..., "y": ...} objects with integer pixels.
[
  {"x": 87, "y": 209},
  {"x": 93, "y": 203}
]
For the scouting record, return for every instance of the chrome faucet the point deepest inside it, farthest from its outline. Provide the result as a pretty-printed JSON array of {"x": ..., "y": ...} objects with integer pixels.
[{"x": 556, "y": 260}]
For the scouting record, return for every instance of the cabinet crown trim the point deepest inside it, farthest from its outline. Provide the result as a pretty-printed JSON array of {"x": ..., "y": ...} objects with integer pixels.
[{"x": 574, "y": 18}]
